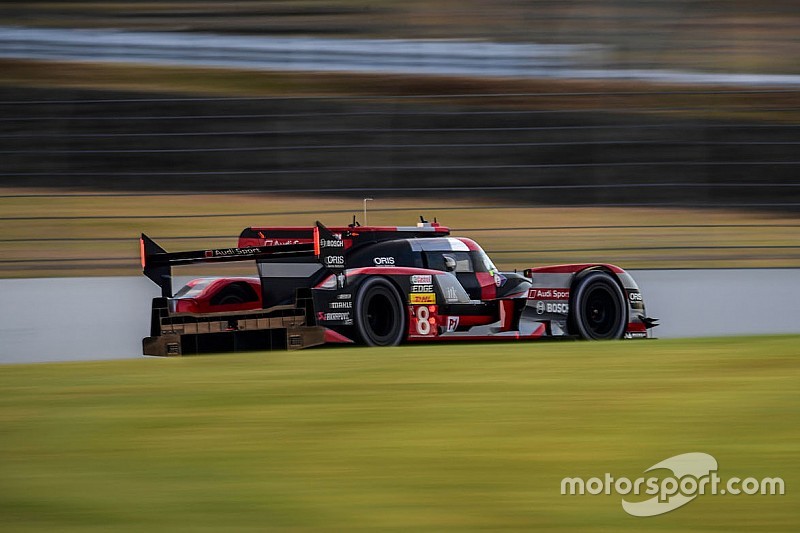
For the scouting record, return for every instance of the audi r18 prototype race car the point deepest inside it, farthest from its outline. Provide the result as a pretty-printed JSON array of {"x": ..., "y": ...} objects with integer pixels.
[{"x": 379, "y": 286}]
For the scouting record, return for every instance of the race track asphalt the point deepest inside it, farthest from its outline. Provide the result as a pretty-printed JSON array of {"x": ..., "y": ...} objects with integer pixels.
[{"x": 78, "y": 319}]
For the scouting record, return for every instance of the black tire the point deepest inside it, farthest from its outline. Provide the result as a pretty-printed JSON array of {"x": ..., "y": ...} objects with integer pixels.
[
  {"x": 380, "y": 316},
  {"x": 231, "y": 299},
  {"x": 234, "y": 294},
  {"x": 598, "y": 308}
]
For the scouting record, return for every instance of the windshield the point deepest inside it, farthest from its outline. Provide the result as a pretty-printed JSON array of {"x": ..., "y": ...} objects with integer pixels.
[{"x": 483, "y": 263}]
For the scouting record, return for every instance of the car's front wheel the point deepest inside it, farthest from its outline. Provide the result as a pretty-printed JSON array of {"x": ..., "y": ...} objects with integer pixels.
[
  {"x": 598, "y": 308},
  {"x": 380, "y": 316}
]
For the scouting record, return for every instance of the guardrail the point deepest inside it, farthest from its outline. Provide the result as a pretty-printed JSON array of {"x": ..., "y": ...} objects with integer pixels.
[{"x": 664, "y": 149}]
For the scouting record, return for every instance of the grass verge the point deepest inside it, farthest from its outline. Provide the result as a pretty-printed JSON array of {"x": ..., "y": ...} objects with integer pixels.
[
  {"x": 630, "y": 237},
  {"x": 433, "y": 438}
]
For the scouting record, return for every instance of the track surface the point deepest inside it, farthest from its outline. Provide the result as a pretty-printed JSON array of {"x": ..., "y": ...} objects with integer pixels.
[
  {"x": 449, "y": 58},
  {"x": 76, "y": 319}
]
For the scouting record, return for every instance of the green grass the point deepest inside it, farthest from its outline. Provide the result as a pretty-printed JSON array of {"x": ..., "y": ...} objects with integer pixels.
[{"x": 434, "y": 438}]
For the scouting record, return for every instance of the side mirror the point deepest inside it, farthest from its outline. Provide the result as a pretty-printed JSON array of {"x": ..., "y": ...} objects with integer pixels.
[{"x": 449, "y": 263}]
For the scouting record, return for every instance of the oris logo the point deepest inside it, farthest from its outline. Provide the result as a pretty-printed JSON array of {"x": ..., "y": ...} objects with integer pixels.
[{"x": 383, "y": 261}]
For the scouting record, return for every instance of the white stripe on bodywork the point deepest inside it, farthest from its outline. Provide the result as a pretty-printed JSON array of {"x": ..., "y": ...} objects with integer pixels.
[
  {"x": 415, "y": 228},
  {"x": 447, "y": 244}
]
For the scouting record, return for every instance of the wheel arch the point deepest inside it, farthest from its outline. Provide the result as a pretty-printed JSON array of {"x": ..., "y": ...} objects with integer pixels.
[
  {"x": 363, "y": 277},
  {"x": 595, "y": 268}
]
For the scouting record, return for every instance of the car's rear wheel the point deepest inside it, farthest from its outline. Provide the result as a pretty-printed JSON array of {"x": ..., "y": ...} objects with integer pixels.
[
  {"x": 380, "y": 317},
  {"x": 234, "y": 294},
  {"x": 598, "y": 310}
]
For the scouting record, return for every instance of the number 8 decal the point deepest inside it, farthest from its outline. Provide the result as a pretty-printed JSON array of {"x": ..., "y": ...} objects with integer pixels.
[{"x": 423, "y": 326}]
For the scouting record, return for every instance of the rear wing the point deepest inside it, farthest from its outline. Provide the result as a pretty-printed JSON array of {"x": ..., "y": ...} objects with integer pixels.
[{"x": 157, "y": 263}]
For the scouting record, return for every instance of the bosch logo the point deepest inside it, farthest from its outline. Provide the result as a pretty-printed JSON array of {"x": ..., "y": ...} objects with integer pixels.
[
  {"x": 552, "y": 308},
  {"x": 561, "y": 309},
  {"x": 383, "y": 261},
  {"x": 330, "y": 243}
]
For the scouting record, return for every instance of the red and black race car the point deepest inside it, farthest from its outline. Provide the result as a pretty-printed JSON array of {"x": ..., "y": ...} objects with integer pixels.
[{"x": 379, "y": 286}]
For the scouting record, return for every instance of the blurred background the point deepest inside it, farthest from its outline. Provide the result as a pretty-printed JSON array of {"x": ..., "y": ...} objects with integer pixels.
[{"x": 649, "y": 134}]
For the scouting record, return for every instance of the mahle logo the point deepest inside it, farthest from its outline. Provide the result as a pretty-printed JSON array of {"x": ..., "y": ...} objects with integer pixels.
[{"x": 693, "y": 474}]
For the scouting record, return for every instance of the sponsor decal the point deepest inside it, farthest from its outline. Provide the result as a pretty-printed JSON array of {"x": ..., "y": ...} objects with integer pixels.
[
  {"x": 331, "y": 243},
  {"x": 500, "y": 279},
  {"x": 421, "y": 279},
  {"x": 548, "y": 294},
  {"x": 422, "y": 288},
  {"x": 278, "y": 242},
  {"x": 334, "y": 260},
  {"x": 345, "y": 296},
  {"x": 383, "y": 261},
  {"x": 452, "y": 324},
  {"x": 334, "y": 317},
  {"x": 635, "y": 299},
  {"x": 341, "y": 305},
  {"x": 231, "y": 252},
  {"x": 636, "y": 335},
  {"x": 552, "y": 307},
  {"x": 450, "y": 294},
  {"x": 422, "y": 298}
]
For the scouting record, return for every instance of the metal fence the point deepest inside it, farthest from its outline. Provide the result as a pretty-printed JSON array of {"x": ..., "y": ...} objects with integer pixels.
[{"x": 722, "y": 151}]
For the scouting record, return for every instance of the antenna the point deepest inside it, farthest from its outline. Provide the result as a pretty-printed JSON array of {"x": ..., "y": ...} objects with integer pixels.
[{"x": 365, "y": 209}]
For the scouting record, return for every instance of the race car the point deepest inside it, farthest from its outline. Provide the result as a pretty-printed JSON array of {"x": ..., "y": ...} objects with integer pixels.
[{"x": 380, "y": 286}]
